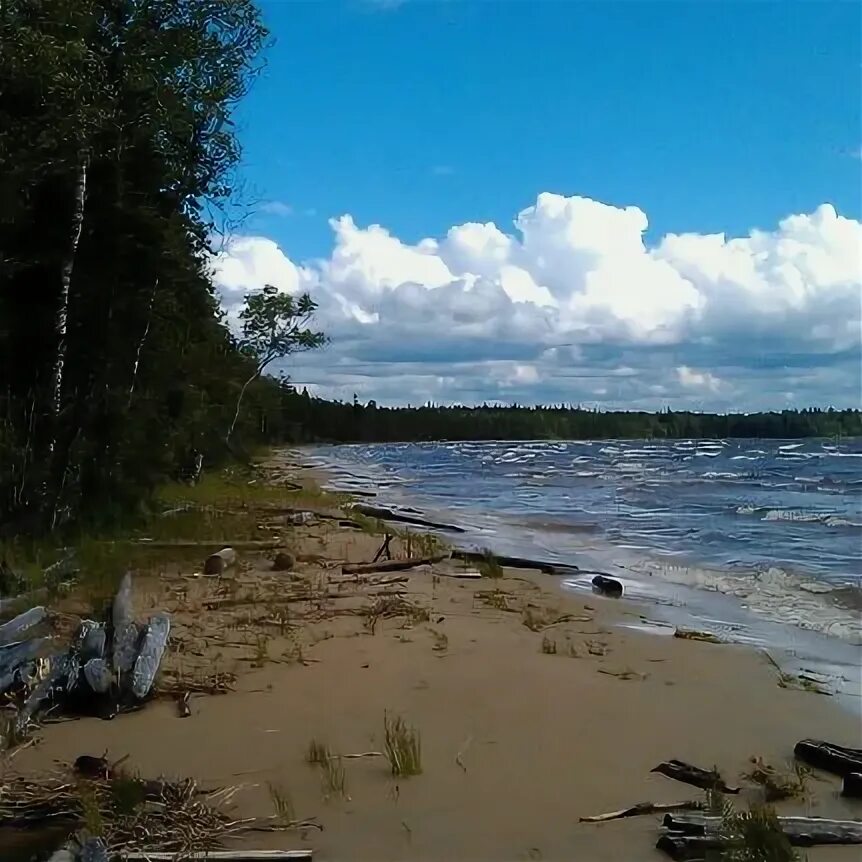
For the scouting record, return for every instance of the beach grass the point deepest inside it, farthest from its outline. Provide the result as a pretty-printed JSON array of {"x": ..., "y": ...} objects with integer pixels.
[
  {"x": 403, "y": 747},
  {"x": 317, "y": 752}
]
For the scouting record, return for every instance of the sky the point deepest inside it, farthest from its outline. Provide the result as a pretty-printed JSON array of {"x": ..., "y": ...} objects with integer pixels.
[{"x": 627, "y": 204}]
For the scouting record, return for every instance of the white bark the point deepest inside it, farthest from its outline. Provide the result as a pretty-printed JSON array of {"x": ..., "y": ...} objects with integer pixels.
[
  {"x": 143, "y": 340},
  {"x": 68, "y": 266},
  {"x": 257, "y": 373}
]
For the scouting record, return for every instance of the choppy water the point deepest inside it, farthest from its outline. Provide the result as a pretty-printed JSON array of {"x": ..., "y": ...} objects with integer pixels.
[{"x": 775, "y": 525}]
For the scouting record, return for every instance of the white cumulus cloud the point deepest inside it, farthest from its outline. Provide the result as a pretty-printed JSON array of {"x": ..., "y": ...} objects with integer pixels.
[
  {"x": 570, "y": 296},
  {"x": 691, "y": 379}
]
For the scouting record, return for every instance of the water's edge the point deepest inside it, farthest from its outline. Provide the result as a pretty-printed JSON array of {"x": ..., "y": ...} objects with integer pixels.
[{"x": 828, "y": 661}]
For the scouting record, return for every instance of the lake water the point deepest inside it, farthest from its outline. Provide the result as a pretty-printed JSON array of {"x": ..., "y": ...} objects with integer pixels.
[{"x": 761, "y": 538}]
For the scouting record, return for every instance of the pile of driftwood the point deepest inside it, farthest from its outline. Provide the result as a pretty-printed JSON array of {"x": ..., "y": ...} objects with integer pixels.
[
  {"x": 692, "y": 833},
  {"x": 107, "y": 667},
  {"x": 133, "y": 818}
]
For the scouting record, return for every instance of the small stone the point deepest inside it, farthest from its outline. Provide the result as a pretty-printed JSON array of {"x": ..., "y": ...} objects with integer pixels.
[{"x": 283, "y": 562}]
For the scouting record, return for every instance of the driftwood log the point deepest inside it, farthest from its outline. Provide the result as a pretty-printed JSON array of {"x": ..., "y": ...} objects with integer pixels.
[
  {"x": 705, "y": 779},
  {"x": 644, "y": 808},
  {"x": 689, "y": 847},
  {"x": 800, "y": 831},
  {"x": 829, "y": 757},
  {"x": 217, "y": 563},
  {"x": 390, "y": 565},
  {"x": 399, "y": 517},
  {"x": 607, "y": 586},
  {"x": 852, "y": 786},
  {"x": 516, "y": 562}
]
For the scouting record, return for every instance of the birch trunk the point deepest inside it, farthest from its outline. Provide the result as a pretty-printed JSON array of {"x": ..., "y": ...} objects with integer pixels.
[
  {"x": 245, "y": 386},
  {"x": 142, "y": 341},
  {"x": 68, "y": 266}
]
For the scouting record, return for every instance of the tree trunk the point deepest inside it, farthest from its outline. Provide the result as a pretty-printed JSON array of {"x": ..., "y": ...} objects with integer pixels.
[
  {"x": 66, "y": 269},
  {"x": 245, "y": 386},
  {"x": 142, "y": 341}
]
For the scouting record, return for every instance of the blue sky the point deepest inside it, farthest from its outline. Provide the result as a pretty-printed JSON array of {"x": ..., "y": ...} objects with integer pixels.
[{"x": 420, "y": 116}]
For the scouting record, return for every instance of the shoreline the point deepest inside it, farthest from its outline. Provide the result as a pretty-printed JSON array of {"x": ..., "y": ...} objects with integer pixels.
[
  {"x": 722, "y": 609},
  {"x": 507, "y": 724}
]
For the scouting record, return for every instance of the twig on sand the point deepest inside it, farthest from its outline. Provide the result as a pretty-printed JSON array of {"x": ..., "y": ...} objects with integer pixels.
[
  {"x": 361, "y": 754},
  {"x": 644, "y": 808},
  {"x": 461, "y": 752}
]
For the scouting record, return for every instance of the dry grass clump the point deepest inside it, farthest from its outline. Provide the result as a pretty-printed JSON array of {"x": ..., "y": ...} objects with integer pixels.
[
  {"x": 403, "y": 746},
  {"x": 394, "y": 605},
  {"x": 126, "y": 812},
  {"x": 176, "y": 683},
  {"x": 777, "y": 784}
]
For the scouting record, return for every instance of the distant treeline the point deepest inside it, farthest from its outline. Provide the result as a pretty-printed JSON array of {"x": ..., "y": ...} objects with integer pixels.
[{"x": 314, "y": 419}]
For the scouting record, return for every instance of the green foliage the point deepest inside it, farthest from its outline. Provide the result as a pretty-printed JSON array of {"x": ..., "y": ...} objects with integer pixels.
[
  {"x": 130, "y": 105},
  {"x": 275, "y": 324}
]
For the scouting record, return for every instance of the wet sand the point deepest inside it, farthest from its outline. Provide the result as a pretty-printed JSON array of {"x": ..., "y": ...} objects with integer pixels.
[{"x": 517, "y": 744}]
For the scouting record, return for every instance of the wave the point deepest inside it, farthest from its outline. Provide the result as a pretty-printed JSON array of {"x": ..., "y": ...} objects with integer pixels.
[
  {"x": 777, "y": 595},
  {"x": 828, "y": 519}
]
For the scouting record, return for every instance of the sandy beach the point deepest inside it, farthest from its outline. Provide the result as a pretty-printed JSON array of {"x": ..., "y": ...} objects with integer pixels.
[{"x": 535, "y": 707}]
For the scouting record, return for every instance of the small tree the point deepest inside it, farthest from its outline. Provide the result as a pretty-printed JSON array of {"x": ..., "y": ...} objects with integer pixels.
[{"x": 274, "y": 325}]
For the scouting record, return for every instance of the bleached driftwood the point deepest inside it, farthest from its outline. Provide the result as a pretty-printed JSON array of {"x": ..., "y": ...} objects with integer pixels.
[{"x": 644, "y": 808}]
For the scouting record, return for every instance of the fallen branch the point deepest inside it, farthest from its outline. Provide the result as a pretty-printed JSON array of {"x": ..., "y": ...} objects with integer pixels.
[
  {"x": 644, "y": 808},
  {"x": 390, "y": 565},
  {"x": 515, "y": 562},
  {"x": 704, "y": 779},
  {"x": 389, "y": 515}
]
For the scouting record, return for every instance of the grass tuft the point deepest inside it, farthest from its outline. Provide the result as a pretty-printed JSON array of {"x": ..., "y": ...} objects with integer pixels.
[
  {"x": 282, "y": 803},
  {"x": 489, "y": 565},
  {"x": 316, "y": 753},
  {"x": 333, "y": 777},
  {"x": 549, "y": 647},
  {"x": 403, "y": 747}
]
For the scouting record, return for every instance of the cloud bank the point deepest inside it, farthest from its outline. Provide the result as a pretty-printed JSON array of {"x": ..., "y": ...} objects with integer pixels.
[{"x": 571, "y": 305}]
